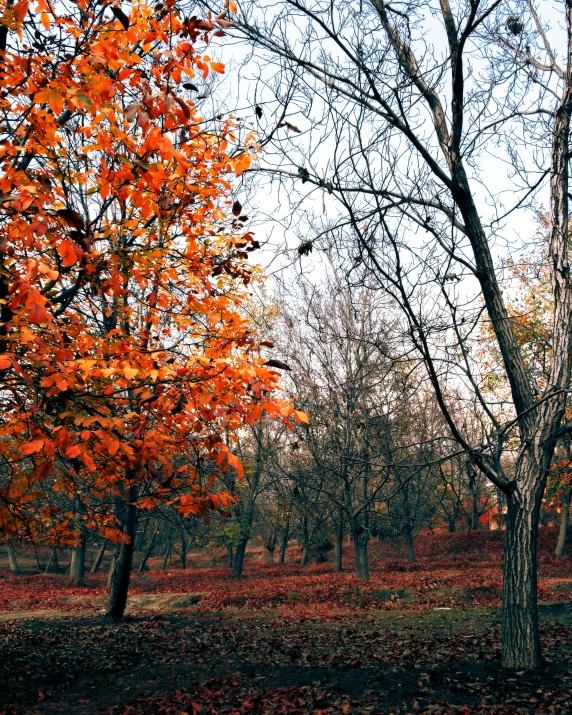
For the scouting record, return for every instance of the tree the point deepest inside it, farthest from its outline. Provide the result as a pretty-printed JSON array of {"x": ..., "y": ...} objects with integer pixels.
[
  {"x": 124, "y": 355},
  {"x": 407, "y": 125},
  {"x": 341, "y": 377}
]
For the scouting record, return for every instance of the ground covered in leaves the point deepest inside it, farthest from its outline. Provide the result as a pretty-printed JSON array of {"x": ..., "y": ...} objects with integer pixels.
[{"x": 420, "y": 638}]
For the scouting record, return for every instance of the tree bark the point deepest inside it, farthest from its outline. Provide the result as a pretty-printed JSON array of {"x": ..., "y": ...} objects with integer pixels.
[
  {"x": 305, "y": 542},
  {"x": 167, "y": 557},
  {"x": 53, "y": 565},
  {"x": 284, "y": 538},
  {"x": 520, "y": 634},
  {"x": 230, "y": 554},
  {"x": 183, "y": 550},
  {"x": 99, "y": 557},
  {"x": 410, "y": 543},
  {"x": 451, "y": 526},
  {"x": 148, "y": 552},
  {"x": 564, "y": 523},
  {"x": 238, "y": 564},
  {"x": 361, "y": 540},
  {"x": 338, "y": 546},
  {"x": 121, "y": 570},
  {"x": 77, "y": 563},
  {"x": 13, "y": 559}
]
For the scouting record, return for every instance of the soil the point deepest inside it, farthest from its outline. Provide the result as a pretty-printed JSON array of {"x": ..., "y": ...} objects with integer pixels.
[{"x": 83, "y": 666}]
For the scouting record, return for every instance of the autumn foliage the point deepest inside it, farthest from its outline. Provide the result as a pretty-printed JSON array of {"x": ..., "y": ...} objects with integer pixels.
[{"x": 127, "y": 362}]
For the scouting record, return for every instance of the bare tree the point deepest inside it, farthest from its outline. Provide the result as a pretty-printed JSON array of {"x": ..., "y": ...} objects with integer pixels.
[
  {"x": 339, "y": 375},
  {"x": 401, "y": 135}
]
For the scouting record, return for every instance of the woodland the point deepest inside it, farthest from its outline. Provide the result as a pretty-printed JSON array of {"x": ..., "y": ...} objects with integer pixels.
[{"x": 285, "y": 356}]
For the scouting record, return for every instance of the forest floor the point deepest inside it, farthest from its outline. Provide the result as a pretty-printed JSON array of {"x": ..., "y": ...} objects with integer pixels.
[{"x": 420, "y": 638}]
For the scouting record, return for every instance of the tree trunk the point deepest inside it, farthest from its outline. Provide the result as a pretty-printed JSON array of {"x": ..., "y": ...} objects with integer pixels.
[
  {"x": 410, "y": 543},
  {"x": 230, "y": 554},
  {"x": 338, "y": 546},
  {"x": 12, "y": 558},
  {"x": 147, "y": 554},
  {"x": 361, "y": 539},
  {"x": 53, "y": 565},
  {"x": 564, "y": 522},
  {"x": 121, "y": 573},
  {"x": 238, "y": 564},
  {"x": 167, "y": 557},
  {"x": 77, "y": 563},
  {"x": 283, "y": 547},
  {"x": 305, "y": 542},
  {"x": 520, "y": 637},
  {"x": 452, "y": 524},
  {"x": 99, "y": 557},
  {"x": 183, "y": 550}
]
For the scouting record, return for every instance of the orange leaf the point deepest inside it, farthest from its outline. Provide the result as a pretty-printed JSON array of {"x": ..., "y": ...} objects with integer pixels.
[
  {"x": 36, "y": 312},
  {"x": 67, "y": 252},
  {"x": 73, "y": 451},
  {"x": 302, "y": 417},
  {"x": 235, "y": 462},
  {"x": 217, "y": 67},
  {"x": 20, "y": 10},
  {"x": 32, "y": 447}
]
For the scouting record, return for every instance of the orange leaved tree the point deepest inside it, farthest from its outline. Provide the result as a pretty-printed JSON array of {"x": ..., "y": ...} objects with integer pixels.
[{"x": 126, "y": 363}]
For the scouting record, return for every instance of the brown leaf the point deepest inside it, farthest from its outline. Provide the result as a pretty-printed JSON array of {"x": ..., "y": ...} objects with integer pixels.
[
  {"x": 277, "y": 363},
  {"x": 236, "y": 208},
  {"x": 121, "y": 16},
  {"x": 71, "y": 218}
]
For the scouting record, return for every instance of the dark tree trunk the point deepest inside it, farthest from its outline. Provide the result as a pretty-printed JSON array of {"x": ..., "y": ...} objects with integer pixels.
[
  {"x": 238, "y": 564},
  {"x": 338, "y": 546},
  {"x": 148, "y": 552},
  {"x": 270, "y": 546},
  {"x": 99, "y": 557},
  {"x": 361, "y": 540},
  {"x": 183, "y": 550},
  {"x": 452, "y": 524},
  {"x": 77, "y": 563},
  {"x": 284, "y": 538},
  {"x": 12, "y": 558},
  {"x": 520, "y": 636},
  {"x": 121, "y": 573},
  {"x": 111, "y": 568},
  {"x": 410, "y": 543},
  {"x": 305, "y": 542},
  {"x": 53, "y": 565},
  {"x": 230, "y": 554},
  {"x": 167, "y": 557},
  {"x": 564, "y": 523}
]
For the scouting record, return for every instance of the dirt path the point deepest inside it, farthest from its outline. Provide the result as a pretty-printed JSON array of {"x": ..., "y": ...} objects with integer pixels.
[{"x": 163, "y": 602}]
